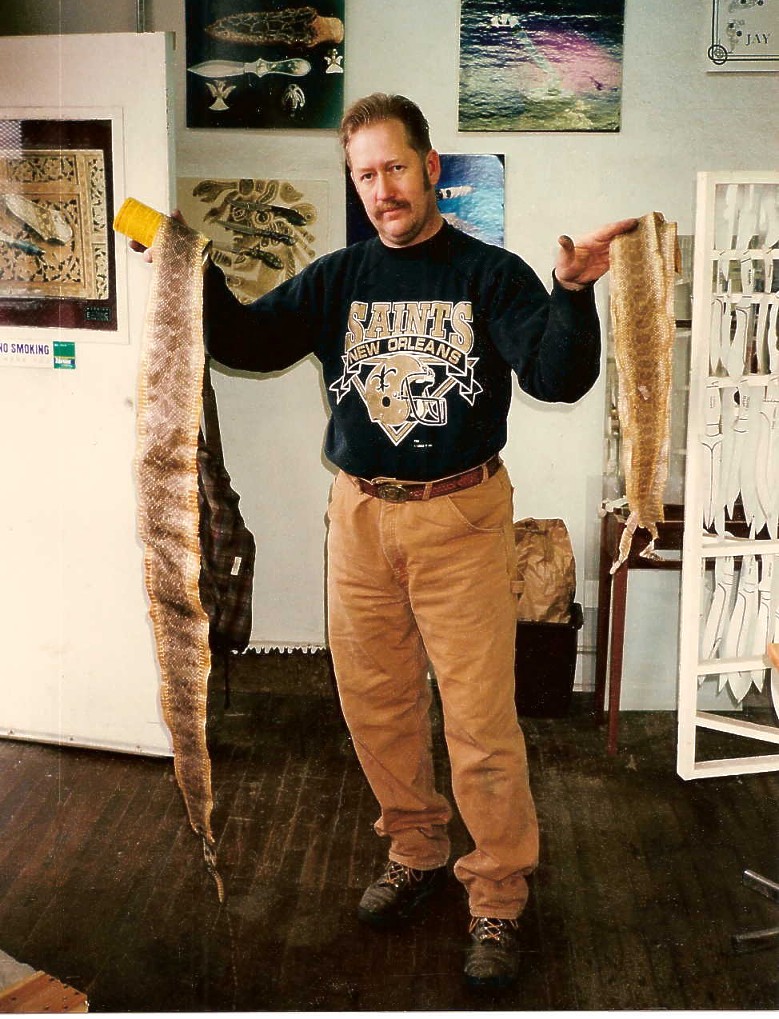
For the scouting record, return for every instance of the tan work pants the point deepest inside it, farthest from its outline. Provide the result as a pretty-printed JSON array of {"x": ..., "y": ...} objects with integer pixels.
[{"x": 423, "y": 581}]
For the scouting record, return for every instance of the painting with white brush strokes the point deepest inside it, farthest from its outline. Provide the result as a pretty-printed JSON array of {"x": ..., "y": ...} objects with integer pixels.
[{"x": 264, "y": 63}]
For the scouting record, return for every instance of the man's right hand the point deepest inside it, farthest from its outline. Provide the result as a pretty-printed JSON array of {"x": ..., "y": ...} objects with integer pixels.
[{"x": 148, "y": 253}]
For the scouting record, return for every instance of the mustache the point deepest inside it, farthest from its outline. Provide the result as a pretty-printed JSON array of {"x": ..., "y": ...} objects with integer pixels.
[{"x": 390, "y": 206}]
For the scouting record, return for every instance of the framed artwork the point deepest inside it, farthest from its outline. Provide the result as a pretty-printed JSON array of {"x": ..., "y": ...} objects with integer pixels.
[
  {"x": 553, "y": 65},
  {"x": 263, "y": 231},
  {"x": 470, "y": 194},
  {"x": 744, "y": 35},
  {"x": 57, "y": 259},
  {"x": 265, "y": 63}
]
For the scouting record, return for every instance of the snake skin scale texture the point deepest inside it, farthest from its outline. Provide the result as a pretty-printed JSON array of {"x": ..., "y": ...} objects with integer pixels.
[
  {"x": 169, "y": 412},
  {"x": 643, "y": 265}
]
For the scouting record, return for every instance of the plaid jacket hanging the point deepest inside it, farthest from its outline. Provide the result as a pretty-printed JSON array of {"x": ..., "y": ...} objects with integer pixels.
[{"x": 227, "y": 546}]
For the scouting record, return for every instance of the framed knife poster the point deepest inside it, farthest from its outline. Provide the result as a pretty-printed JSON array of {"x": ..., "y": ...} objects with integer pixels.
[
  {"x": 57, "y": 259},
  {"x": 265, "y": 64}
]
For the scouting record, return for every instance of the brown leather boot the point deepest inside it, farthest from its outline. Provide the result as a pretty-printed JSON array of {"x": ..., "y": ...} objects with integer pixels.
[
  {"x": 493, "y": 956},
  {"x": 397, "y": 893}
]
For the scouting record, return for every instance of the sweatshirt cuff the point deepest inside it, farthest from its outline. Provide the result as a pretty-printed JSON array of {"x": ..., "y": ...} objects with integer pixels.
[{"x": 585, "y": 295}]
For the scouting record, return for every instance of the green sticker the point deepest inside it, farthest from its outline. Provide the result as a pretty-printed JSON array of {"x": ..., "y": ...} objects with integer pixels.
[{"x": 64, "y": 354}]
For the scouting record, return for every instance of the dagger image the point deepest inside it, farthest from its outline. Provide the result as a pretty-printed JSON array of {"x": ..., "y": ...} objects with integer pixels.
[{"x": 295, "y": 66}]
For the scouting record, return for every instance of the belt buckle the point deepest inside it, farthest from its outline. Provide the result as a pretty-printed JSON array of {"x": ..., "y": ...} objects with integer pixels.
[{"x": 392, "y": 493}]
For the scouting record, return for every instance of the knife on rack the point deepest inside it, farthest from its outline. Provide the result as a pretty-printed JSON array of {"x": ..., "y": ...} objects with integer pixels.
[
  {"x": 713, "y": 506},
  {"x": 741, "y": 617},
  {"x": 760, "y": 634},
  {"x": 714, "y": 629}
]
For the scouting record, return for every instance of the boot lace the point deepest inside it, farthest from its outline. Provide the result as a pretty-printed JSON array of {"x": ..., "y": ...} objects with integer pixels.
[
  {"x": 397, "y": 875},
  {"x": 490, "y": 928}
]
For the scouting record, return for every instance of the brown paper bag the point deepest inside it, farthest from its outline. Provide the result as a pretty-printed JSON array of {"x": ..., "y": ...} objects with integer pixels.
[{"x": 545, "y": 572}]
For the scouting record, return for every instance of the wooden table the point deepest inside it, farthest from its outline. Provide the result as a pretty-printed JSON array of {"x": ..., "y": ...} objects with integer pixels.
[{"x": 612, "y": 599}]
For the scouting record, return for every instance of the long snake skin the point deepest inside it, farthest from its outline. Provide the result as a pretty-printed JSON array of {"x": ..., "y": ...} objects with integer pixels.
[
  {"x": 643, "y": 264},
  {"x": 169, "y": 411}
]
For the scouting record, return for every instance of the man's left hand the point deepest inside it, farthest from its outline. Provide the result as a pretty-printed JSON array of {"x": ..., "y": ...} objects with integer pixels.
[{"x": 587, "y": 259}]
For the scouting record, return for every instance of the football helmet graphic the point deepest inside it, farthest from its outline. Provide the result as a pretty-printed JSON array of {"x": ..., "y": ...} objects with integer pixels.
[{"x": 397, "y": 391}]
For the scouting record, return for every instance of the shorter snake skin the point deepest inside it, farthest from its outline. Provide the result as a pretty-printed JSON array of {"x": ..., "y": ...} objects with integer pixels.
[{"x": 643, "y": 325}]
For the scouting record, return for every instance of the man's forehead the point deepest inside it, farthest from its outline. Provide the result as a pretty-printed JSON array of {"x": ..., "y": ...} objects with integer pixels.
[{"x": 378, "y": 137}]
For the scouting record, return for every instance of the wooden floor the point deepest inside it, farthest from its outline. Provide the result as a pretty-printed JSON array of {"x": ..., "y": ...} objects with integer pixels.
[{"x": 102, "y": 883}]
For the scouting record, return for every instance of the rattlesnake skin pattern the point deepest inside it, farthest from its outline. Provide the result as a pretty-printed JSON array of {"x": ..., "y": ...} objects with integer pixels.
[
  {"x": 294, "y": 26},
  {"x": 643, "y": 325},
  {"x": 169, "y": 411}
]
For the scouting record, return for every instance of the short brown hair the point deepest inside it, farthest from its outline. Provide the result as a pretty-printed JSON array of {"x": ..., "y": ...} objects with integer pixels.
[{"x": 380, "y": 106}]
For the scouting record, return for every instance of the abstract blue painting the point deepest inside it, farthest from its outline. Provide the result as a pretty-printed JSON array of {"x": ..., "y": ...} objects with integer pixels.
[{"x": 540, "y": 65}]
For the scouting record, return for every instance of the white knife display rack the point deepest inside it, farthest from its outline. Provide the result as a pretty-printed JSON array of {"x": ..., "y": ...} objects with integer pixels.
[{"x": 730, "y": 568}]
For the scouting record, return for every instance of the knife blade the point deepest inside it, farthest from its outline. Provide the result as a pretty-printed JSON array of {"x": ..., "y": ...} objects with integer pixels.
[
  {"x": 735, "y": 360},
  {"x": 295, "y": 66},
  {"x": 761, "y": 334},
  {"x": 760, "y": 634},
  {"x": 766, "y": 467},
  {"x": 713, "y": 631},
  {"x": 773, "y": 338},
  {"x": 712, "y": 455},
  {"x": 738, "y": 437},
  {"x": 738, "y": 682},
  {"x": 725, "y": 223},
  {"x": 719, "y": 305},
  {"x": 748, "y": 462},
  {"x": 729, "y": 417},
  {"x": 747, "y": 227}
]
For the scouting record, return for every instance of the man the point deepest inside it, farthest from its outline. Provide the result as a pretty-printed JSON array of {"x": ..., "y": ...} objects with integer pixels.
[{"x": 417, "y": 332}]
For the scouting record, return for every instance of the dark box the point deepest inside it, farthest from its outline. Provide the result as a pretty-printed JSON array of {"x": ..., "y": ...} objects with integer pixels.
[{"x": 545, "y": 666}]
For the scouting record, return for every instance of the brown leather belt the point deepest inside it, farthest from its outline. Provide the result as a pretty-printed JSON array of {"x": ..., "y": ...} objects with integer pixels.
[{"x": 403, "y": 491}]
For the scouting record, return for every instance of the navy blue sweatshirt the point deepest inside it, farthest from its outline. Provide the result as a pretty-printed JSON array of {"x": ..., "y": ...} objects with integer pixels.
[{"x": 417, "y": 345}]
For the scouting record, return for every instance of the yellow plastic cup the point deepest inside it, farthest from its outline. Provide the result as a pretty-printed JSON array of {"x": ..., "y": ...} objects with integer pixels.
[{"x": 138, "y": 222}]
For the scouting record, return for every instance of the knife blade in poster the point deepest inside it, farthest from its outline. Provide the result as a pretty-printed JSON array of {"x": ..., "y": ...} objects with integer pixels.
[{"x": 295, "y": 67}]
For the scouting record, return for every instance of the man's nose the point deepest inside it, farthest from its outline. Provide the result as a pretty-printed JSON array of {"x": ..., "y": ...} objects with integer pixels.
[{"x": 383, "y": 187}]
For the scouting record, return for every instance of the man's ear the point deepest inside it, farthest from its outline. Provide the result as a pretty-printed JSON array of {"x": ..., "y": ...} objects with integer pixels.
[{"x": 433, "y": 164}]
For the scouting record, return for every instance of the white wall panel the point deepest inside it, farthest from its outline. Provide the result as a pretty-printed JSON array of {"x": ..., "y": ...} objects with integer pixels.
[{"x": 77, "y": 656}]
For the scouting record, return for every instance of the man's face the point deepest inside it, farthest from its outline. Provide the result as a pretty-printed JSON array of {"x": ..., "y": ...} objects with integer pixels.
[{"x": 395, "y": 183}]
